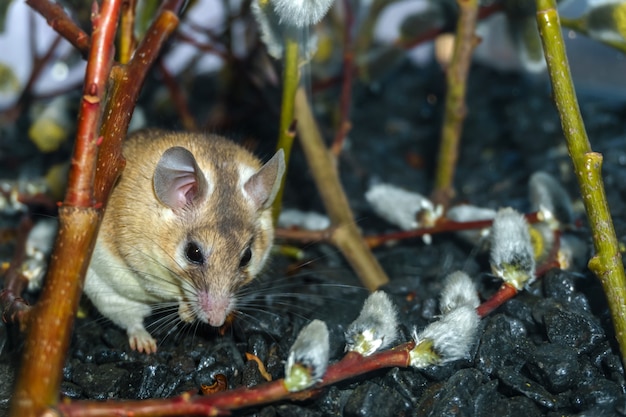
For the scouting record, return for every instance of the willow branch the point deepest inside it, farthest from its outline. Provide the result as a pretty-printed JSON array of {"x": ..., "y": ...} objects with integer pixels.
[
  {"x": 346, "y": 86},
  {"x": 51, "y": 323},
  {"x": 127, "y": 83},
  {"x": 455, "y": 110},
  {"x": 606, "y": 264},
  {"x": 127, "y": 39},
  {"x": 346, "y": 236},
  {"x": 352, "y": 365},
  {"x": 291, "y": 79},
  {"x": 62, "y": 24}
]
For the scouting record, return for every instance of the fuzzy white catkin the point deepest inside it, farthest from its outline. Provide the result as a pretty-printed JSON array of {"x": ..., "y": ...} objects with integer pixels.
[
  {"x": 376, "y": 327},
  {"x": 453, "y": 334},
  {"x": 399, "y": 207},
  {"x": 469, "y": 213},
  {"x": 310, "y": 349},
  {"x": 510, "y": 243},
  {"x": 458, "y": 291},
  {"x": 301, "y": 13},
  {"x": 547, "y": 194}
]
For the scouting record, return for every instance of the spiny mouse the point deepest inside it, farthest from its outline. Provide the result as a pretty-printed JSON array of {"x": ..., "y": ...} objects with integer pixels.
[{"x": 187, "y": 225}]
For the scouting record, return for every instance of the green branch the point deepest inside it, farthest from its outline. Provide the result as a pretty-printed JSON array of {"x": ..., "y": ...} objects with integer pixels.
[{"x": 606, "y": 264}]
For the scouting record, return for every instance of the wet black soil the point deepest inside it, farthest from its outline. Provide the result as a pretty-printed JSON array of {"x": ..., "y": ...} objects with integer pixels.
[{"x": 550, "y": 351}]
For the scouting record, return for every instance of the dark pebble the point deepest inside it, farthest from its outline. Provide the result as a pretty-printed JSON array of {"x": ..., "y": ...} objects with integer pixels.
[
  {"x": 511, "y": 378},
  {"x": 596, "y": 392},
  {"x": 554, "y": 366},
  {"x": 453, "y": 397},
  {"x": 71, "y": 390},
  {"x": 608, "y": 363},
  {"x": 105, "y": 355},
  {"x": 332, "y": 401},
  {"x": 522, "y": 406},
  {"x": 100, "y": 382},
  {"x": 292, "y": 410},
  {"x": 503, "y": 344},
  {"x": 520, "y": 308},
  {"x": 115, "y": 338},
  {"x": 488, "y": 402},
  {"x": 150, "y": 380},
  {"x": 251, "y": 375},
  {"x": 559, "y": 285},
  {"x": 407, "y": 382},
  {"x": 6, "y": 385},
  {"x": 572, "y": 328},
  {"x": 370, "y": 399},
  {"x": 258, "y": 346}
]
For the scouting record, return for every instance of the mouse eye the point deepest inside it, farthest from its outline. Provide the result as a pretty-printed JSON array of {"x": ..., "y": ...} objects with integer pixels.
[
  {"x": 245, "y": 258},
  {"x": 194, "y": 253}
]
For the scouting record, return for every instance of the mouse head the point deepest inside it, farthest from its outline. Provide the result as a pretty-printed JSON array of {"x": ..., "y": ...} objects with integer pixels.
[{"x": 224, "y": 207}]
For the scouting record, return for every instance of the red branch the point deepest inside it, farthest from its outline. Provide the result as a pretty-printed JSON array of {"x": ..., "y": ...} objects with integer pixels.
[
  {"x": 14, "y": 307},
  {"x": 62, "y": 23},
  {"x": 83, "y": 165},
  {"x": 352, "y": 365}
]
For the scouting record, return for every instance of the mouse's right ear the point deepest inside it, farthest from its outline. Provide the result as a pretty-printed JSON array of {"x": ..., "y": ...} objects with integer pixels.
[{"x": 178, "y": 181}]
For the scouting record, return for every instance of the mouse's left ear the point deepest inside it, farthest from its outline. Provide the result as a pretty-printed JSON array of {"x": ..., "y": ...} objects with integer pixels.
[
  {"x": 178, "y": 181},
  {"x": 264, "y": 184}
]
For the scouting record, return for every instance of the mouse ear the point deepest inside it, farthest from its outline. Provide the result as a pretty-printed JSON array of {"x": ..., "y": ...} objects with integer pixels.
[
  {"x": 177, "y": 179},
  {"x": 264, "y": 184}
]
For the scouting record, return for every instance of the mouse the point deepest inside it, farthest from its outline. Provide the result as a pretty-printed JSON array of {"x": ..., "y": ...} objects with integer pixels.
[{"x": 187, "y": 225}]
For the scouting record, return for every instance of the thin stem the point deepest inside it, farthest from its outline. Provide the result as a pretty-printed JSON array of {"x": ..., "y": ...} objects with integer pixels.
[
  {"x": 346, "y": 87},
  {"x": 127, "y": 41},
  {"x": 291, "y": 79},
  {"x": 62, "y": 23},
  {"x": 346, "y": 236},
  {"x": 607, "y": 263},
  {"x": 455, "y": 110}
]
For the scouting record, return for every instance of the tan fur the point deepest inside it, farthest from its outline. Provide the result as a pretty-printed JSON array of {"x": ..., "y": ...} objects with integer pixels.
[{"x": 139, "y": 262}]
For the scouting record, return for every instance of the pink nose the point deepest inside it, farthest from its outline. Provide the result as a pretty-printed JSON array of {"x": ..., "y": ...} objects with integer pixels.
[{"x": 214, "y": 307}]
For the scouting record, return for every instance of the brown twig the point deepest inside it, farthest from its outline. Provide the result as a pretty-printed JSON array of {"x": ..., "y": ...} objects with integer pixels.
[
  {"x": 346, "y": 235},
  {"x": 62, "y": 24},
  {"x": 39, "y": 63},
  {"x": 455, "y": 109},
  {"x": 346, "y": 88},
  {"x": 127, "y": 83},
  {"x": 14, "y": 307},
  {"x": 442, "y": 225},
  {"x": 179, "y": 99},
  {"x": 127, "y": 41}
]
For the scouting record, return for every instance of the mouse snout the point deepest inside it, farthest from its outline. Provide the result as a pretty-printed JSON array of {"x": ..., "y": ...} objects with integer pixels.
[{"x": 214, "y": 308}]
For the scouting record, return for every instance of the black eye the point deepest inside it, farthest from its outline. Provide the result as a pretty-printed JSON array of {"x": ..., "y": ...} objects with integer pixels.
[
  {"x": 245, "y": 257},
  {"x": 194, "y": 253}
]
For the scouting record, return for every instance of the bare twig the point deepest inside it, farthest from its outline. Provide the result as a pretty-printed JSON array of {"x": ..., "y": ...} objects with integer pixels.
[
  {"x": 62, "y": 23},
  {"x": 14, "y": 307},
  {"x": 346, "y": 87},
  {"x": 346, "y": 235},
  {"x": 455, "y": 110},
  {"x": 607, "y": 263}
]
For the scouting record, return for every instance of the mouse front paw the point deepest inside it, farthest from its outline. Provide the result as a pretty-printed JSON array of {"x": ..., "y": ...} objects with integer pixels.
[{"x": 141, "y": 341}]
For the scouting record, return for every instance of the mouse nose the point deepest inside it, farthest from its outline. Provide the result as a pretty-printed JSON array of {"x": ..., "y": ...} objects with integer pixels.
[{"x": 214, "y": 308}]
